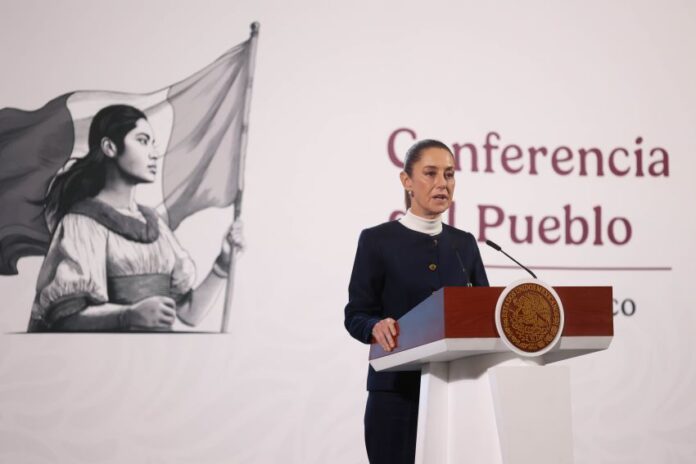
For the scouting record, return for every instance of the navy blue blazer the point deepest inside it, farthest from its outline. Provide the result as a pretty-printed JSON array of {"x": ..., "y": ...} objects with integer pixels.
[{"x": 396, "y": 268}]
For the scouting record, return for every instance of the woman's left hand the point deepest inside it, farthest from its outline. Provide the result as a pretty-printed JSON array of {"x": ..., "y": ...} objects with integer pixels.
[{"x": 234, "y": 240}]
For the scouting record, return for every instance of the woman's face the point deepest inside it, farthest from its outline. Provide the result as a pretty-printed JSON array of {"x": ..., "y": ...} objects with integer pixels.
[
  {"x": 432, "y": 183},
  {"x": 138, "y": 161}
]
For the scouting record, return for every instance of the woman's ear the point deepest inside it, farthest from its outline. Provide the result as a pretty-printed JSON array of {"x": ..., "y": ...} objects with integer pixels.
[
  {"x": 405, "y": 180},
  {"x": 108, "y": 147}
]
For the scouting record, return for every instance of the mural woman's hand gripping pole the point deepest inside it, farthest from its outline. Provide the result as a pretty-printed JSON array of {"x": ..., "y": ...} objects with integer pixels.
[
  {"x": 204, "y": 296},
  {"x": 234, "y": 243}
]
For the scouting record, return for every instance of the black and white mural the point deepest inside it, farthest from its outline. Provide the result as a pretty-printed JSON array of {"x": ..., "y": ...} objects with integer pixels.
[{"x": 71, "y": 173}]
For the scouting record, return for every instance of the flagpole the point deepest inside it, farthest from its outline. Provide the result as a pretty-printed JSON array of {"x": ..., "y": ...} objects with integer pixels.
[{"x": 240, "y": 174}]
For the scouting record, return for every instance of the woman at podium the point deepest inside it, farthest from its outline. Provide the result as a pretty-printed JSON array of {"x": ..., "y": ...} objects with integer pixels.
[{"x": 397, "y": 265}]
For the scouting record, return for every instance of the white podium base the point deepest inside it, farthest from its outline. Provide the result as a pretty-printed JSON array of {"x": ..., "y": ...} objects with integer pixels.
[{"x": 494, "y": 409}]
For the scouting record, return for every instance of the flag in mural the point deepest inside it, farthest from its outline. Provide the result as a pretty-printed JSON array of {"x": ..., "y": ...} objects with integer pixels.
[{"x": 198, "y": 123}]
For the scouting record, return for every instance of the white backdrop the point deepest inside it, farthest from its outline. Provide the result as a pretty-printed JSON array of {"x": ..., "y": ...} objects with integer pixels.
[{"x": 333, "y": 82}]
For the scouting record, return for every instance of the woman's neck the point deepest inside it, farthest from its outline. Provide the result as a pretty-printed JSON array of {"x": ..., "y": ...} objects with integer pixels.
[
  {"x": 118, "y": 193},
  {"x": 423, "y": 225}
]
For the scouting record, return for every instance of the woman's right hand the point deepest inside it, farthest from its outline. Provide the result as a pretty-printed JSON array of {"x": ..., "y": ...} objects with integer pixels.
[
  {"x": 155, "y": 312},
  {"x": 385, "y": 332}
]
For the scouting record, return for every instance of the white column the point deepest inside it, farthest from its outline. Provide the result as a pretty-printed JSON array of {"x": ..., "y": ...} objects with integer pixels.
[
  {"x": 432, "y": 440},
  {"x": 494, "y": 409}
]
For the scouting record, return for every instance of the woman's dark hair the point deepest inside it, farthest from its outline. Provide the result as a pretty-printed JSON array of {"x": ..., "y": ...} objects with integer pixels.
[
  {"x": 86, "y": 177},
  {"x": 414, "y": 154}
]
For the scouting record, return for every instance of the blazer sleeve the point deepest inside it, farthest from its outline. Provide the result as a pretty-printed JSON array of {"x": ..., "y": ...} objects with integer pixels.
[{"x": 364, "y": 308}]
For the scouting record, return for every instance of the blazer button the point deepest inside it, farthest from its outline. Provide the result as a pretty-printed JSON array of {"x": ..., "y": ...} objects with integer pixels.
[{"x": 432, "y": 267}]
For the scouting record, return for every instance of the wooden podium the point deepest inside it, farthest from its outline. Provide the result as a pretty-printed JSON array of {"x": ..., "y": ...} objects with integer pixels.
[{"x": 480, "y": 402}]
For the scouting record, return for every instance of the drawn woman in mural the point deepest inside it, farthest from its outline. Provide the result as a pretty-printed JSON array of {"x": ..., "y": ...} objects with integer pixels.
[{"x": 114, "y": 265}]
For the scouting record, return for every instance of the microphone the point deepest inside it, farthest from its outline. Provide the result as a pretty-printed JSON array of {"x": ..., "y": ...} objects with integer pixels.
[
  {"x": 496, "y": 247},
  {"x": 461, "y": 263}
]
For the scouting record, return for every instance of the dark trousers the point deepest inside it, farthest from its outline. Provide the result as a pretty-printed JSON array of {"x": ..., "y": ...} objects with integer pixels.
[{"x": 391, "y": 424}]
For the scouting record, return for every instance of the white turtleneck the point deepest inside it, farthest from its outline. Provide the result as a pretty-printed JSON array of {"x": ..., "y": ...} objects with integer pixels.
[{"x": 419, "y": 224}]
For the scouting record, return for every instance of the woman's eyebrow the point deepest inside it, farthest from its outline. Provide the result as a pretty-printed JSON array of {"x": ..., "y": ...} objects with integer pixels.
[{"x": 143, "y": 133}]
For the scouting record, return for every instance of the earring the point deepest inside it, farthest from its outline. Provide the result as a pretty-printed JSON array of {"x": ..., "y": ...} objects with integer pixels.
[{"x": 410, "y": 192}]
